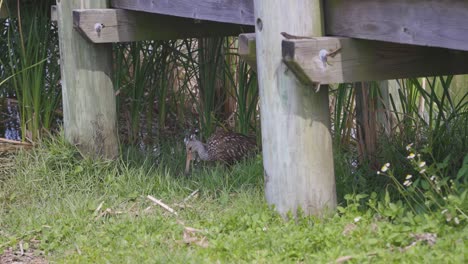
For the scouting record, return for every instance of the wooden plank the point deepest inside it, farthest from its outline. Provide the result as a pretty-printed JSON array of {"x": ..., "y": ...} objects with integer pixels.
[
  {"x": 365, "y": 60},
  {"x": 89, "y": 109},
  {"x": 118, "y": 25},
  {"x": 247, "y": 49},
  {"x": 297, "y": 144},
  {"x": 421, "y": 22},
  {"x": 226, "y": 11}
]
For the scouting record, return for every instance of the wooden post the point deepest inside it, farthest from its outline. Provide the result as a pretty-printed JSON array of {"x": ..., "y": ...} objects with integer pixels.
[
  {"x": 297, "y": 144},
  {"x": 88, "y": 95}
]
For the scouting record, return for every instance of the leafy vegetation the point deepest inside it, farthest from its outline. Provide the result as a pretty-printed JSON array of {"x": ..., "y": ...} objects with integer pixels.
[
  {"x": 75, "y": 210},
  {"x": 400, "y": 153},
  {"x": 31, "y": 62}
]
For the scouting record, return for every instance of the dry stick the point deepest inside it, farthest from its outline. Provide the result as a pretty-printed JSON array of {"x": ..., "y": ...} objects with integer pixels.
[
  {"x": 191, "y": 195},
  {"x": 163, "y": 205},
  {"x": 21, "y": 248},
  {"x": 16, "y": 142},
  {"x": 98, "y": 208}
]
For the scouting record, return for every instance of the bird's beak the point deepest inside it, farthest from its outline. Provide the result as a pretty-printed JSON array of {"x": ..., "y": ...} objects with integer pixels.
[{"x": 187, "y": 162}]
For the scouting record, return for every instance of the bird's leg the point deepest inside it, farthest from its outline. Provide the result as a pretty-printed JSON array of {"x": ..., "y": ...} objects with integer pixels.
[{"x": 187, "y": 162}]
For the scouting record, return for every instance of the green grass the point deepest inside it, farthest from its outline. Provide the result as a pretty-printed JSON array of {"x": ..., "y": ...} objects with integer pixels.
[{"x": 52, "y": 196}]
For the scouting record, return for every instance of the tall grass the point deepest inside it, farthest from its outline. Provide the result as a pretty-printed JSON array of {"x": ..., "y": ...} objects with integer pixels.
[
  {"x": 245, "y": 93},
  {"x": 33, "y": 62}
]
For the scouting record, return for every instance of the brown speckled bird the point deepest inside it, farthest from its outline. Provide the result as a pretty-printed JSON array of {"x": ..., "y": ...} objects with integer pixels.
[{"x": 227, "y": 147}]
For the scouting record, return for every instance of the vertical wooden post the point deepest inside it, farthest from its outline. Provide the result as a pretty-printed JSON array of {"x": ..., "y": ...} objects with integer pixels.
[
  {"x": 89, "y": 111},
  {"x": 297, "y": 144}
]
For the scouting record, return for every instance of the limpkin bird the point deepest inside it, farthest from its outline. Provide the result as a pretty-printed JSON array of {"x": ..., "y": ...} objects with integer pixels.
[{"x": 223, "y": 146}]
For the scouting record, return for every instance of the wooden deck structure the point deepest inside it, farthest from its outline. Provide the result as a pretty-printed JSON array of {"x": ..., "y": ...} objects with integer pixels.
[{"x": 326, "y": 42}]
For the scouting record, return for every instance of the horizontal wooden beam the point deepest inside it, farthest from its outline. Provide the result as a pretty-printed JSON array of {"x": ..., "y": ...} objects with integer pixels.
[
  {"x": 366, "y": 60},
  {"x": 226, "y": 11},
  {"x": 117, "y": 25},
  {"x": 247, "y": 49},
  {"x": 433, "y": 23}
]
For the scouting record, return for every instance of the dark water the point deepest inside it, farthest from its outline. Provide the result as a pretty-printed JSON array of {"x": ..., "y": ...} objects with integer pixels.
[{"x": 9, "y": 117}]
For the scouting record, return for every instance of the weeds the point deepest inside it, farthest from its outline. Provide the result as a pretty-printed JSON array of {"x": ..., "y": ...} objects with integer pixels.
[{"x": 72, "y": 209}]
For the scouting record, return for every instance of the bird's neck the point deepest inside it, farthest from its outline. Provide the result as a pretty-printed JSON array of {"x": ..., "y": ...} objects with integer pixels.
[{"x": 202, "y": 151}]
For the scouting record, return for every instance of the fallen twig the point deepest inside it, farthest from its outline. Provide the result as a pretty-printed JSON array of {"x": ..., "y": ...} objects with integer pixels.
[
  {"x": 16, "y": 142},
  {"x": 163, "y": 205},
  {"x": 21, "y": 248},
  {"x": 98, "y": 208},
  {"x": 191, "y": 195}
]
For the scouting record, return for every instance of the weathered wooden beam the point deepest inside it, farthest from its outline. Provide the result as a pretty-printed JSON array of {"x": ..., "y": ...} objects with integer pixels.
[
  {"x": 247, "y": 49},
  {"x": 297, "y": 144},
  {"x": 421, "y": 22},
  {"x": 89, "y": 109},
  {"x": 227, "y": 11},
  {"x": 366, "y": 60},
  {"x": 118, "y": 25}
]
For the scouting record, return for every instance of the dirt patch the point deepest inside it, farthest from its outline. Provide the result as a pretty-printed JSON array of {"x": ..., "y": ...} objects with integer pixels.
[{"x": 18, "y": 255}]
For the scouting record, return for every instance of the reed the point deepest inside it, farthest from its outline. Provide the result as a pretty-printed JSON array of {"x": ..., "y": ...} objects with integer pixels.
[{"x": 32, "y": 45}]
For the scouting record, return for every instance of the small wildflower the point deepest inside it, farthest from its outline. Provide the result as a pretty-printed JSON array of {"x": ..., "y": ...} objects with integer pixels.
[
  {"x": 422, "y": 164},
  {"x": 456, "y": 220},
  {"x": 408, "y": 147},
  {"x": 433, "y": 178},
  {"x": 444, "y": 211},
  {"x": 378, "y": 173},
  {"x": 409, "y": 176},
  {"x": 264, "y": 229},
  {"x": 448, "y": 218},
  {"x": 411, "y": 156},
  {"x": 422, "y": 171},
  {"x": 445, "y": 198},
  {"x": 385, "y": 167},
  {"x": 407, "y": 183},
  {"x": 356, "y": 219}
]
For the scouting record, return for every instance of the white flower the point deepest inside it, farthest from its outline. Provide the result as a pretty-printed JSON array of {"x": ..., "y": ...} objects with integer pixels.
[
  {"x": 422, "y": 171},
  {"x": 378, "y": 173},
  {"x": 356, "y": 219},
  {"x": 411, "y": 156},
  {"x": 444, "y": 211},
  {"x": 407, "y": 183},
  {"x": 422, "y": 164},
  {"x": 385, "y": 167},
  {"x": 408, "y": 147},
  {"x": 433, "y": 178},
  {"x": 456, "y": 220},
  {"x": 409, "y": 176}
]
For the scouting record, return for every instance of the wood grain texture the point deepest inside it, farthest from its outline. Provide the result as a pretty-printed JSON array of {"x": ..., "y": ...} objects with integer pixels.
[
  {"x": 247, "y": 49},
  {"x": 297, "y": 144},
  {"x": 89, "y": 109},
  {"x": 366, "y": 60},
  {"x": 226, "y": 11},
  {"x": 421, "y": 22},
  {"x": 124, "y": 26}
]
